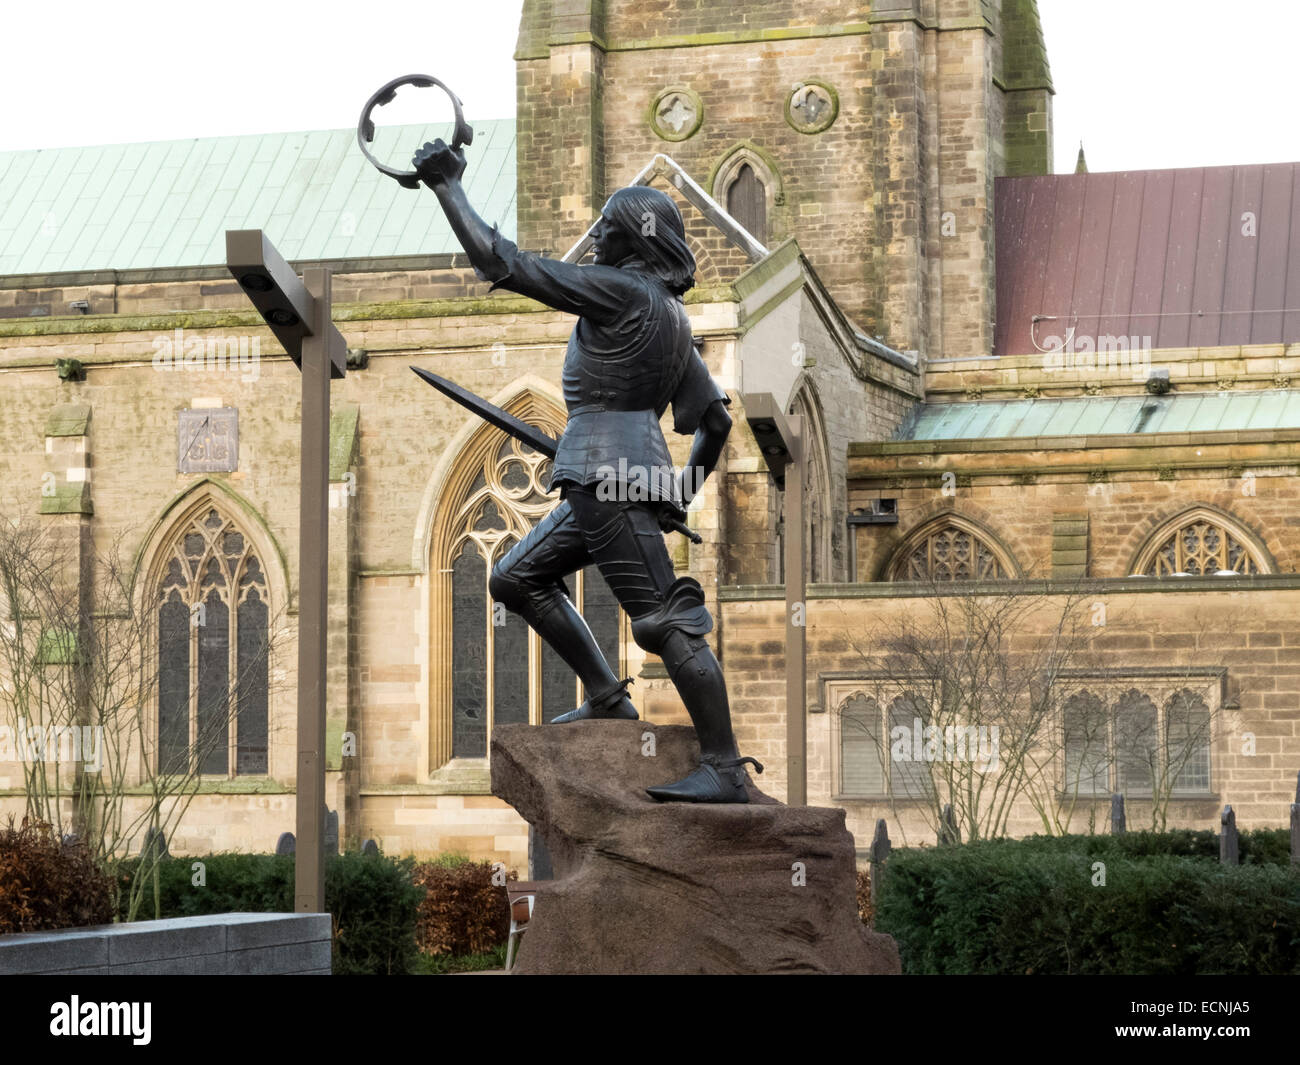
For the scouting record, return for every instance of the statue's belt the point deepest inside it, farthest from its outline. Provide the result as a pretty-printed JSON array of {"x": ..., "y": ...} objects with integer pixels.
[{"x": 601, "y": 408}]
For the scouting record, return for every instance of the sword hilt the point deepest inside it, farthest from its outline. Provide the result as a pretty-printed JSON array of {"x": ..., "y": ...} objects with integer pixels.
[{"x": 686, "y": 531}]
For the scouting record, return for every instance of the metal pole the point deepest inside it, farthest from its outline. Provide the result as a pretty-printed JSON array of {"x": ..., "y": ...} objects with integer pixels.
[
  {"x": 796, "y": 621},
  {"x": 313, "y": 561}
]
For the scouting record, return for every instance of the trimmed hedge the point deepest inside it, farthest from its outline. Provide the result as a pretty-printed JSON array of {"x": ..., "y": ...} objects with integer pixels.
[
  {"x": 47, "y": 884},
  {"x": 462, "y": 913},
  {"x": 1031, "y": 907},
  {"x": 1262, "y": 846},
  {"x": 373, "y": 900}
]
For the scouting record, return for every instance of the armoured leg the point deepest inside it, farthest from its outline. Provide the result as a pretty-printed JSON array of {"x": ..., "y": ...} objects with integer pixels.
[
  {"x": 669, "y": 618},
  {"x": 696, "y": 674},
  {"x": 675, "y": 632},
  {"x": 529, "y": 582}
]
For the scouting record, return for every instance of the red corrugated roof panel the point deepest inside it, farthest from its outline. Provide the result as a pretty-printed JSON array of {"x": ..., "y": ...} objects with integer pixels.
[{"x": 1166, "y": 258}]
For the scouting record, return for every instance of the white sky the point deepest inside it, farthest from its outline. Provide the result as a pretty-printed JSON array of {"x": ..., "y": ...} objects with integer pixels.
[
  {"x": 1144, "y": 83},
  {"x": 1161, "y": 83}
]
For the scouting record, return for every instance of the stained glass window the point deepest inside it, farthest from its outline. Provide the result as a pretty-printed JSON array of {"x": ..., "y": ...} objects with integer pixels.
[
  {"x": 469, "y": 662},
  {"x": 213, "y": 632},
  {"x": 949, "y": 552},
  {"x": 1201, "y": 547},
  {"x": 500, "y": 672}
]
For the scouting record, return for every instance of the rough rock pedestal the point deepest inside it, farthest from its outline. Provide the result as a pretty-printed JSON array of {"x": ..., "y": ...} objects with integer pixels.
[{"x": 645, "y": 887}]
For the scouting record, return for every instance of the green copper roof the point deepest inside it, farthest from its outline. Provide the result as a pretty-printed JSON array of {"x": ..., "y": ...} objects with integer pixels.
[
  {"x": 169, "y": 203},
  {"x": 1192, "y": 412}
]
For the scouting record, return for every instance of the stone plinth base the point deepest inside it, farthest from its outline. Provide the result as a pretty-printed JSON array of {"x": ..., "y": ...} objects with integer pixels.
[{"x": 644, "y": 887}]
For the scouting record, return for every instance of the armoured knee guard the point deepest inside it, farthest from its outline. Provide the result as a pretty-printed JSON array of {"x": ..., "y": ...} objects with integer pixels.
[
  {"x": 524, "y": 597},
  {"x": 504, "y": 589},
  {"x": 682, "y": 610},
  {"x": 675, "y": 632}
]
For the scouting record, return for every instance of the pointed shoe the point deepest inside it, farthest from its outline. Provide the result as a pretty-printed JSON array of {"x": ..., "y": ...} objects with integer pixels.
[
  {"x": 716, "y": 780},
  {"x": 623, "y": 710}
]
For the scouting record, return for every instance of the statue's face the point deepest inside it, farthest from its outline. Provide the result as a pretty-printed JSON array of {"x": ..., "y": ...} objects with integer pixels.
[{"x": 612, "y": 245}]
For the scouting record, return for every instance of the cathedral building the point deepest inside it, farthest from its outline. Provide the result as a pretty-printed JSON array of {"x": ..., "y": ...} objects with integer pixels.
[{"x": 1063, "y": 401}]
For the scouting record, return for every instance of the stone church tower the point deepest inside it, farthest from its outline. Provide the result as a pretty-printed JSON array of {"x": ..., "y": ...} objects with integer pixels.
[{"x": 871, "y": 132}]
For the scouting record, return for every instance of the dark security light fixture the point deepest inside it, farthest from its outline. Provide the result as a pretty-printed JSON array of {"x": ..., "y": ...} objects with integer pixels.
[
  {"x": 765, "y": 420},
  {"x": 1158, "y": 383},
  {"x": 877, "y": 512},
  {"x": 80, "y": 305},
  {"x": 256, "y": 283},
  {"x": 279, "y": 295}
]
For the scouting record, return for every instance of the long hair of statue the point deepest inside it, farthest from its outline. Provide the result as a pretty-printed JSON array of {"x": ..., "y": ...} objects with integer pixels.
[{"x": 652, "y": 221}]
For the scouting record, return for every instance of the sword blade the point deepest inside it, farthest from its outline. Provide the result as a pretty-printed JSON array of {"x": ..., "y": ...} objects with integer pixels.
[
  {"x": 492, "y": 414},
  {"x": 522, "y": 431}
]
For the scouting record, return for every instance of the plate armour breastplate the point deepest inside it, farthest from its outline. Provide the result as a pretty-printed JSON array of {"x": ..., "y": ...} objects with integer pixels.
[{"x": 616, "y": 388}]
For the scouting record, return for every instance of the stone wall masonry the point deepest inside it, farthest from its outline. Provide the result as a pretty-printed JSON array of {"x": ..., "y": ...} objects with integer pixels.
[
  {"x": 639, "y": 23},
  {"x": 823, "y": 179},
  {"x": 1231, "y": 368},
  {"x": 967, "y": 127},
  {"x": 1126, "y": 490},
  {"x": 479, "y": 826},
  {"x": 1251, "y": 634},
  {"x": 904, "y": 183},
  {"x": 393, "y": 679},
  {"x": 1026, "y": 84},
  {"x": 559, "y": 131},
  {"x": 134, "y": 434},
  {"x": 212, "y": 289}
]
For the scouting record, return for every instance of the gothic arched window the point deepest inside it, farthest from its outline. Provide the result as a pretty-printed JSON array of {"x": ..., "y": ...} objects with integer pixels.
[
  {"x": 1136, "y": 742},
  {"x": 1137, "y": 739},
  {"x": 878, "y": 756},
  {"x": 1187, "y": 742},
  {"x": 747, "y": 202},
  {"x": 1087, "y": 745},
  {"x": 950, "y": 550},
  {"x": 817, "y": 500},
  {"x": 1199, "y": 544},
  {"x": 748, "y": 188},
  {"x": 909, "y": 776},
  {"x": 862, "y": 767},
  {"x": 213, "y": 644},
  {"x": 490, "y": 668}
]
